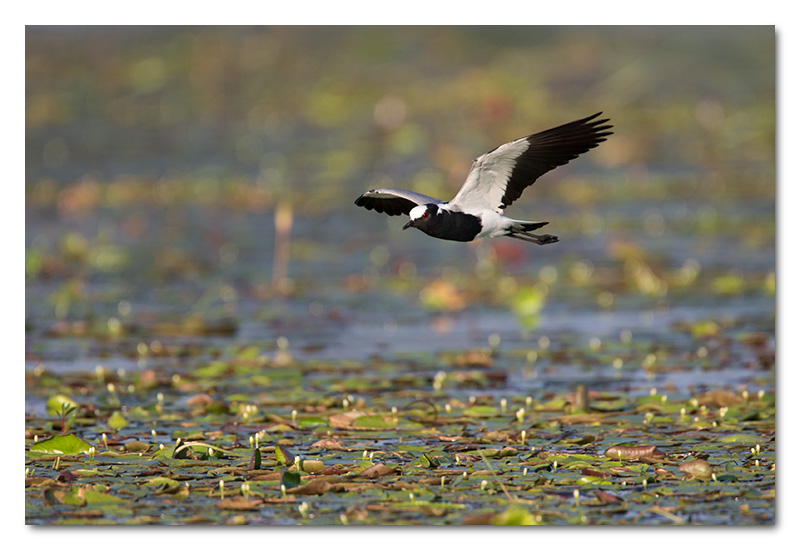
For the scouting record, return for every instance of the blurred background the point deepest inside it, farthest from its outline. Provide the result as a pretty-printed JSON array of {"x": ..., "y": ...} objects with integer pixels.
[{"x": 187, "y": 186}]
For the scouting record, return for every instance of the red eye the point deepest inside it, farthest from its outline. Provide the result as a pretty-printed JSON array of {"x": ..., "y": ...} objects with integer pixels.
[{"x": 425, "y": 215}]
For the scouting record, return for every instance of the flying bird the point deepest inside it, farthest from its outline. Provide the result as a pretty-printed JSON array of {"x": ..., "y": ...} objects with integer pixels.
[{"x": 495, "y": 180}]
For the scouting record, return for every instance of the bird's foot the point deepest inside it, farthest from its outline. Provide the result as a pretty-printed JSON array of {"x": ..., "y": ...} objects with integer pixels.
[
  {"x": 531, "y": 238},
  {"x": 547, "y": 239}
]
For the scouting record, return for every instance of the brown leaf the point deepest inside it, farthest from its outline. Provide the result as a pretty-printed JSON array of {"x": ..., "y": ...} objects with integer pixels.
[
  {"x": 315, "y": 487},
  {"x": 624, "y": 452},
  {"x": 65, "y": 477},
  {"x": 334, "y": 444},
  {"x": 663, "y": 472},
  {"x": 267, "y": 477},
  {"x": 473, "y": 358},
  {"x": 719, "y": 398},
  {"x": 279, "y": 500},
  {"x": 379, "y": 470},
  {"x": 584, "y": 418},
  {"x": 199, "y": 400},
  {"x": 238, "y": 503},
  {"x": 345, "y": 420},
  {"x": 480, "y": 519},
  {"x": 593, "y": 473},
  {"x": 334, "y": 470},
  {"x": 607, "y": 498}
]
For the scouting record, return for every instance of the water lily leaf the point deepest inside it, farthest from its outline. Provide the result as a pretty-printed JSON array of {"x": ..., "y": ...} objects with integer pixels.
[
  {"x": 345, "y": 420},
  {"x": 97, "y": 496},
  {"x": 481, "y": 411},
  {"x": 117, "y": 421},
  {"x": 69, "y": 444},
  {"x": 500, "y": 453},
  {"x": 741, "y": 439},
  {"x": 239, "y": 503},
  {"x": 314, "y": 487},
  {"x": 696, "y": 469},
  {"x": 283, "y": 455},
  {"x": 329, "y": 444},
  {"x": 163, "y": 485},
  {"x": 374, "y": 421},
  {"x": 515, "y": 515},
  {"x": 312, "y": 422},
  {"x": 624, "y": 452},
  {"x": 70, "y": 497},
  {"x": 719, "y": 398},
  {"x": 379, "y": 470},
  {"x": 290, "y": 479},
  {"x": 185, "y": 450}
]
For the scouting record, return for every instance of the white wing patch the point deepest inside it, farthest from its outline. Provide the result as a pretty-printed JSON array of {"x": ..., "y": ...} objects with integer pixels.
[{"x": 487, "y": 180}]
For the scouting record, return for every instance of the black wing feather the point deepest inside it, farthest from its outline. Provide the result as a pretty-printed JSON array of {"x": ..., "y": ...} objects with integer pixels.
[
  {"x": 393, "y": 207},
  {"x": 554, "y": 147}
]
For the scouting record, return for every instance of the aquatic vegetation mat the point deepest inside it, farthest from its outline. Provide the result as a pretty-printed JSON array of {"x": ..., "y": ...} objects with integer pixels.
[{"x": 428, "y": 439}]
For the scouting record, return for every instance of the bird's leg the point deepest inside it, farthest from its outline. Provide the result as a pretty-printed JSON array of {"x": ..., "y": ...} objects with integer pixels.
[{"x": 532, "y": 238}]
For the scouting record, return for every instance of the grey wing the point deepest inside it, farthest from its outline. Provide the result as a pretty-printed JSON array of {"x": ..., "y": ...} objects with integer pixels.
[
  {"x": 393, "y": 201},
  {"x": 498, "y": 178}
]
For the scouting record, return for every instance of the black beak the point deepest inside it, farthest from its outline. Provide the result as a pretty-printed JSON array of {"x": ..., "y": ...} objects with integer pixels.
[{"x": 409, "y": 224}]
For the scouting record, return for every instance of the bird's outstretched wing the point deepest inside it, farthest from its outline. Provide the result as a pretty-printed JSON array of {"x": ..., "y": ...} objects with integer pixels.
[
  {"x": 498, "y": 178},
  {"x": 393, "y": 201}
]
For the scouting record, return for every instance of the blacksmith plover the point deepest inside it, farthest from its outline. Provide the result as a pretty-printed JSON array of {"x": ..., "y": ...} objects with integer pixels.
[{"x": 495, "y": 180}]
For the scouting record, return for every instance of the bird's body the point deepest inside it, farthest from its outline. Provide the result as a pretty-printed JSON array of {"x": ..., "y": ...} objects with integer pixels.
[{"x": 495, "y": 180}]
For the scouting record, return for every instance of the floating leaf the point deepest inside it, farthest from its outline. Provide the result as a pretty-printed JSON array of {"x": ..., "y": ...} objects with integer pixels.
[
  {"x": 238, "y": 503},
  {"x": 696, "y": 469},
  {"x": 378, "y": 470},
  {"x": 481, "y": 411},
  {"x": 69, "y": 444},
  {"x": 515, "y": 515},
  {"x": 742, "y": 439},
  {"x": 117, "y": 421},
  {"x": 314, "y": 487},
  {"x": 329, "y": 444},
  {"x": 719, "y": 398},
  {"x": 625, "y": 452},
  {"x": 374, "y": 421}
]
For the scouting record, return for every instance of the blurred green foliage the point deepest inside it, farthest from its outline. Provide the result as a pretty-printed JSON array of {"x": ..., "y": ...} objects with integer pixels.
[
  {"x": 156, "y": 156},
  {"x": 294, "y": 110}
]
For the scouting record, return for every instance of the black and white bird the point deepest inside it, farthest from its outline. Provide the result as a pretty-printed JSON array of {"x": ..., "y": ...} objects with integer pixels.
[{"x": 495, "y": 180}]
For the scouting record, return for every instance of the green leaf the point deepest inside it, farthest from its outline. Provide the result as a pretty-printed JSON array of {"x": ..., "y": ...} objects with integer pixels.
[
  {"x": 515, "y": 515},
  {"x": 283, "y": 455},
  {"x": 481, "y": 411},
  {"x": 117, "y": 421},
  {"x": 255, "y": 461},
  {"x": 69, "y": 444},
  {"x": 290, "y": 479},
  {"x": 374, "y": 421},
  {"x": 312, "y": 422},
  {"x": 93, "y": 496},
  {"x": 741, "y": 439}
]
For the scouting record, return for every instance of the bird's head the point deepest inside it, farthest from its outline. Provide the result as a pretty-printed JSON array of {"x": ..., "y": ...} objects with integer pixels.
[{"x": 420, "y": 215}]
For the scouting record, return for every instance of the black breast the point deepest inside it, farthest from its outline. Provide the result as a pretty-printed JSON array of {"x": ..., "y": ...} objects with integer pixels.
[{"x": 452, "y": 226}]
